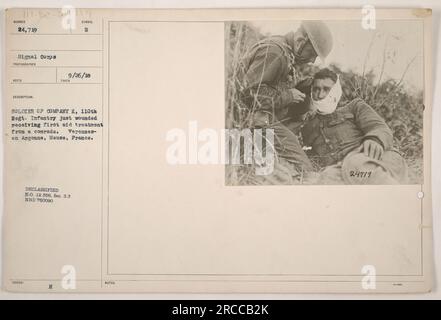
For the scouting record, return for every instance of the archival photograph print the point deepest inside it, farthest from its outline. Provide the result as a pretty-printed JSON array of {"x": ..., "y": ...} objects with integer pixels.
[{"x": 324, "y": 102}]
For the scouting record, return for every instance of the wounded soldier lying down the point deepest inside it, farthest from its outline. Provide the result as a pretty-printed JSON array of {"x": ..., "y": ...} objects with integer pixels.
[{"x": 352, "y": 142}]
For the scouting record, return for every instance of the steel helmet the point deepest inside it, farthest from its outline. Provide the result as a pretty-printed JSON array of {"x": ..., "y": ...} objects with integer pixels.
[{"x": 320, "y": 37}]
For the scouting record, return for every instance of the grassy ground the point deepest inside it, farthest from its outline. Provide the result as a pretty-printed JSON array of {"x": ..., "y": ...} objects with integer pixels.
[{"x": 400, "y": 108}]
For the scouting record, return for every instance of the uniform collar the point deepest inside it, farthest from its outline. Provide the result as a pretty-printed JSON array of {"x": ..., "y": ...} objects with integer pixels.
[{"x": 289, "y": 38}]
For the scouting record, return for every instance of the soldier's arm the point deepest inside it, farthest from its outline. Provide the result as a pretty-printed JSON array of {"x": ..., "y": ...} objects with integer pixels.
[
  {"x": 372, "y": 125},
  {"x": 262, "y": 79}
]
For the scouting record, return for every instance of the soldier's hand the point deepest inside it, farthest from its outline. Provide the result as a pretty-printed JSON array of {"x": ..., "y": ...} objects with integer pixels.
[
  {"x": 373, "y": 149},
  {"x": 297, "y": 95}
]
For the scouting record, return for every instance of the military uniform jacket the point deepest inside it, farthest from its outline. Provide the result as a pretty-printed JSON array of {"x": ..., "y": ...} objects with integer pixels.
[{"x": 268, "y": 63}]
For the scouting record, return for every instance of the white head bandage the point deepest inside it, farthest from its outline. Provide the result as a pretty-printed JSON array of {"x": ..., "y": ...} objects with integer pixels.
[{"x": 329, "y": 103}]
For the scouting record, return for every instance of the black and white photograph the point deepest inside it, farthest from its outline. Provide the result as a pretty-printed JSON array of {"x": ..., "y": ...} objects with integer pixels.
[{"x": 341, "y": 101}]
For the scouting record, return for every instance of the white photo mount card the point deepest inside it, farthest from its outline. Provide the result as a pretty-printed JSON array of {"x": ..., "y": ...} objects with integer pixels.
[{"x": 254, "y": 151}]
